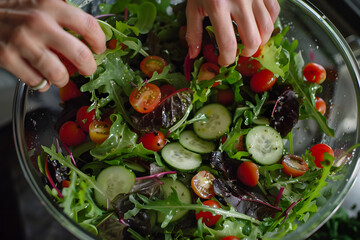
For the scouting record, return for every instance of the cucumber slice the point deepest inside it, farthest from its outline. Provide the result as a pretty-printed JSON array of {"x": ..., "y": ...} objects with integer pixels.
[
  {"x": 180, "y": 158},
  {"x": 264, "y": 144},
  {"x": 182, "y": 192},
  {"x": 113, "y": 181},
  {"x": 189, "y": 140},
  {"x": 217, "y": 124}
]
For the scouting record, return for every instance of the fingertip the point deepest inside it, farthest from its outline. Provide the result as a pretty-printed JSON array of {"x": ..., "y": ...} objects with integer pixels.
[{"x": 225, "y": 60}]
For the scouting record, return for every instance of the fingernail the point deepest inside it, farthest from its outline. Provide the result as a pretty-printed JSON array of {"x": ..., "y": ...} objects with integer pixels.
[{"x": 193, "y": 51}]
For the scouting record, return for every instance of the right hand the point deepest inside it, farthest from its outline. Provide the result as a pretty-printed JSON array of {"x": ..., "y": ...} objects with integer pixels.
[{"x": 32, "y": 30}]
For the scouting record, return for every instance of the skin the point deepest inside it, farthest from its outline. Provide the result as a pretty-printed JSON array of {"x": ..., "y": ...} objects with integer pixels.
[
  {"x": 31, "y": 29},
  {"x": 254, "y": 19}
]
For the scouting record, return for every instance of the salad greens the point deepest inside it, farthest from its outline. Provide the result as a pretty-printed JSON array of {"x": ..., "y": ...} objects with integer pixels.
[{"x": 270, "y": 210}]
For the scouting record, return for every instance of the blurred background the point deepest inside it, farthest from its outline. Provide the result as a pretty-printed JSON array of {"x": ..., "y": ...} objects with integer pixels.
[{"x": 24, "y": 217}]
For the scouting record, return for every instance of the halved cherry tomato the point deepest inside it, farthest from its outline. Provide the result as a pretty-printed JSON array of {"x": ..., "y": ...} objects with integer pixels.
[
  {"x": 248, "y": 66},
  {"x": 230, "y": 238},
  {"x": 210, "y": 53},
  {"x": 202, "y": 184},
  {"x": 320, "y": 105},
  {"x": 69, "y": 91},
  {"x": 225, "y": 96},
  {"x": 207, "y": 217},
  {"x": 239, "y": 144},
  {"x": 166, "y": 90},
  {"x": 208, "y": 71},
  {"x": 294, "y": 165},
  {"x": 318, "y": 151},
  {"x": 71, "y": 134},
  {"x": 153, "y": 141},
  {"x": 152, "y": 64},
  {"x": 262, "y": 81},
  {"x": 145, "y": 99},
  {"x": 314, "y": 73},
  {"x": 99, "y": 131},
  {"x": 84, "y": 118},
  {"x": 248, "y": 173}
]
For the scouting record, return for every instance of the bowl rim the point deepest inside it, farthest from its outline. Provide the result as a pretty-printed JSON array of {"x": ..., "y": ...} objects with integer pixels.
[{"x": 19, "y": 104}]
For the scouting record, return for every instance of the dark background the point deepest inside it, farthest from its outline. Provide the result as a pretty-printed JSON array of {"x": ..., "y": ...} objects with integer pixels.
[{"x": 23, "y": 216}]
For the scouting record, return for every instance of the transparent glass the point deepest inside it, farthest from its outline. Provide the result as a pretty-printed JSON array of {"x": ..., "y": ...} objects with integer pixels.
[{"x": 34, "y": 115}]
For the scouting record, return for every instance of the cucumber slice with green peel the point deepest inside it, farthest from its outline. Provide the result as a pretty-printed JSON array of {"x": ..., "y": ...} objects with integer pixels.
[
  {"x": 265, "y": 145},
  {"x": 180, "y": 158},
  {"x": 189, "y": 140},
  {"x": 183, "y": 193},
  {"x": 217, "y": 124},
  {"x": 113, "y": 181}
]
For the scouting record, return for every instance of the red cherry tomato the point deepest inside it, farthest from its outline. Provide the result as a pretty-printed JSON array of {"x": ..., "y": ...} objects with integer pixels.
[
  {"x": 153, "y": 141},
  {"x": 262, "y": 81},
  {"x": 166, "y": 90},
  {"x": 257, "y": 53},
  {"x": 248, "y": 173},
  {"x": 208, "y": 71},
  {"x": 69, "y": 91},
  {"x": 84, "y": 118},
  {"x": 202, "y": 184},
  {"x": 99, "y": 131},
  {"x": 225, "y": 96},
  {"x": 210, "y": 53},
  {"x": 314, "y": 73},
  {"x": 152, "y": 64},
  {"x": 231, "y": 238},
  {"x": 320, "y": 105},
  {"x": 65, "y": 183},
  {"x": 318, "y": 151},
  {"x": 112, "y": 43},
  {"x": 239, "y": 144},
  {"x": 145, "y": 99},
  {"x": 207, "y": 217},
  {"x": 247, "y": 66},
  {"x": 294, "y": 165},
  {"x": 71, "y": 134}
]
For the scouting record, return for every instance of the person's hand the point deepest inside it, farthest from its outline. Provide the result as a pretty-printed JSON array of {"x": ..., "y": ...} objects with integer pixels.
[
  {"x": 254, "y": 19},
  {"x": 32, "y": 30}
]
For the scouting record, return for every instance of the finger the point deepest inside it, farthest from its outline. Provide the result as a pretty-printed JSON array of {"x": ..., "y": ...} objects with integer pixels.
[
  {"x": 273, "y": 8},
  {"x": 263, "y": 21},
  {"x": 248, "y": 30},
  {"x": 224, "y": 33},
  {"x": 10, "y": 60},
  {"x": 194, "y": 29},
  {"x": 83, "y": 24}
]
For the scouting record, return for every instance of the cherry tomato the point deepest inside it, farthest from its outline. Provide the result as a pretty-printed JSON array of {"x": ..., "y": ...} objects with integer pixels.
[
  {"x": 262, "y": 81},
  {"x": 145, "y": 99},
  {"x": 258, "y": 52},
  {"x": 230, "y": 238},
  {"x": 202, "y": 184},
  {"x": 207, "y": 217},
  {"x": 314, "y": 73},
  {"x": 153, "y": 141},
  {"x": 225, "y": 96},
  {"x": 318, "y": 151},
  {"x": 294, "y": 165},
  {"x": 99, "y": 131},
  {"x": 210, "y": 53},
  {"x": 239, "y": 144},
  {"x": 69, "y": 91},
  {"x": 208, "y": 71},
  {"x": 71, "y": 134},
  {"x": 166, "y": 90},
  {"x": 84, "y": 118},
  {"x": 248, "y": 66},
  {"x": 152, "y": 64},
  {"x": 65, "y": 183},
  {"x": 320, "y": 105},
  {"x": 248, "y": 173},
  {"x": 112, "y": 43},
  {"x": 69, "y": 66}
]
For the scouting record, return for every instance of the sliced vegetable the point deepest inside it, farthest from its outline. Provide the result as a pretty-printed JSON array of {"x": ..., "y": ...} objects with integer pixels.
[
  {"x": 145, "y": 99},
  {"x": 202, "y": 184},
  {"x": 248, "y": 173},
  {"x": 315, "y": 73},
  {"x": 318, "y": 151},
  {"x": 71, "y": 134},
  {"x": 264, "y": 144},
  {"x": 99, "y": 131},
  {"x": 152, "y": 64},
  {"x": 180, "y": 158},
  {"x": 208, "y": 217},
  {"x": 208, "y": 71},
  {"x": 217, "y": 123},
  {"x": 294, "y": 165},
  {"x": 153, "y": 141},
  {"x": 189, "y": 140}
]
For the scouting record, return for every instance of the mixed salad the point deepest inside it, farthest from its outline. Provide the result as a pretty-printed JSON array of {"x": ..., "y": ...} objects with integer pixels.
[{"x": 155, "y": 145}]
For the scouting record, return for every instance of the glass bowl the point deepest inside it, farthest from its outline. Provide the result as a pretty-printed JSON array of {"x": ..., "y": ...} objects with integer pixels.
[{"x": 35, "y": 114}]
